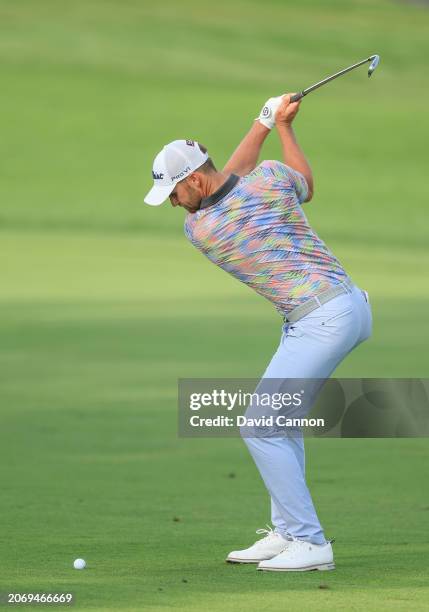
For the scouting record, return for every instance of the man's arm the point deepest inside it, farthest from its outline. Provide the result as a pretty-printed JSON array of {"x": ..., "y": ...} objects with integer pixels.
[
  {"x": 246, "y": 155},
  {"x": 292, "y": 154}
]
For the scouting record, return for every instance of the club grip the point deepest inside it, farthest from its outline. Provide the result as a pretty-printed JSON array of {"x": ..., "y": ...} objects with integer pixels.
[{"x": 297, "y": 97}]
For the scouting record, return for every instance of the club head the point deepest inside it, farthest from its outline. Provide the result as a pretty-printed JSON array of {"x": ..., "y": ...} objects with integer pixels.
[{"x": 375, "y": 59}]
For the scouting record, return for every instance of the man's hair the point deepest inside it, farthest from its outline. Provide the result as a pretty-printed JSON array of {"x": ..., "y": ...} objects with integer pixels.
[{"x": 207, "y": 166}]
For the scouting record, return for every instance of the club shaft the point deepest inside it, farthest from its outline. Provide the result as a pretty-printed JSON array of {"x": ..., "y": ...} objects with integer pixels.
[
  {"x": 334, "y": 76},
  {"x": 308, "y": 90}
]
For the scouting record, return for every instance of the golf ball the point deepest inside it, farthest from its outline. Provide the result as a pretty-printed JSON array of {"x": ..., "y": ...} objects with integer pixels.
[{"x": 79, "y": 563}]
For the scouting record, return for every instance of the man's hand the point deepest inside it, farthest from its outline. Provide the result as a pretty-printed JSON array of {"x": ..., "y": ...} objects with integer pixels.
[
  {"x": 268, "y": 111},
  {"x": 286, "y": 111}
]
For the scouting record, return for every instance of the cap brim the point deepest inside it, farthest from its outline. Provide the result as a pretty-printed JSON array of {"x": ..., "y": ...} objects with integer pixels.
[{"x": 158, "y": 194}]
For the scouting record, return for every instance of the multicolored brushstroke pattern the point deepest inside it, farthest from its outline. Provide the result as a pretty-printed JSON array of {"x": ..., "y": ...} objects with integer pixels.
[{"x": 259, "y": 233}]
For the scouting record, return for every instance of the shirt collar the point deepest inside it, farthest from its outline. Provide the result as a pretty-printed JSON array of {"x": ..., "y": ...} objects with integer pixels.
[{"x": 220, "y": 193}]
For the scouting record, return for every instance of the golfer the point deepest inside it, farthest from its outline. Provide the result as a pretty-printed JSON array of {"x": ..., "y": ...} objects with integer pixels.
[{"x": 248, "y": 219}]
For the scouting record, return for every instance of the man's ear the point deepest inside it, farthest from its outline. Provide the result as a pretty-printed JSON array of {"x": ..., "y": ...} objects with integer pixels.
[{"x": 195, "y": 179}]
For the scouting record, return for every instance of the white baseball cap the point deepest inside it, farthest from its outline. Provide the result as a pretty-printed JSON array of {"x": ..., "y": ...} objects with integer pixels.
[{"x": 175, "y": 162}]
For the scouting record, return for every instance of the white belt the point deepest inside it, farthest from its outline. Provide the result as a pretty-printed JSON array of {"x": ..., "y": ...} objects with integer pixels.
[{"x": 311, "y": 304}]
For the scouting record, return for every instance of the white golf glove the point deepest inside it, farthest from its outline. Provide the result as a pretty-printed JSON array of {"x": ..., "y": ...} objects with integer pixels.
[{"x": 268, "y": 112}]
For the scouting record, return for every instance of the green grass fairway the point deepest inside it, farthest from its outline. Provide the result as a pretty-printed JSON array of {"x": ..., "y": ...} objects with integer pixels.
[
  {"x": 92, "y": 467},
  {"x": 104, "y": 305}
]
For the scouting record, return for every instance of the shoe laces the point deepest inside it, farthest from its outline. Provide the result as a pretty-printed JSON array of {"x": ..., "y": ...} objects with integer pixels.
[
  {"x": 268, "y": 533},
  {"x": 292, "y": 538},
  {"x": 296, "y": 543}
]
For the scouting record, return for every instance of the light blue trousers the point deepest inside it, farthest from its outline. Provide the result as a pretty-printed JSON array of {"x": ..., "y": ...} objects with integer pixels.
[{"x": 310, "y": 348}]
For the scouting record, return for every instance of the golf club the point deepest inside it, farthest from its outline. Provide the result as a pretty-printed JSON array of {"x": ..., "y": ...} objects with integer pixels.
[{"x": 374, "y": 59}]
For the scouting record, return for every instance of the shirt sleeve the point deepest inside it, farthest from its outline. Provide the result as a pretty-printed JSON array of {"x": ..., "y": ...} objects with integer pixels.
[{"x": 288, "y": 176}]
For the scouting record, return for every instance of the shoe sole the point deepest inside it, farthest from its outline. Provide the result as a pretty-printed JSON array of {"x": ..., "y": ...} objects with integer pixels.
[
  {"x": 229, "y": 560},
  {"x": 322, "y": 568}
]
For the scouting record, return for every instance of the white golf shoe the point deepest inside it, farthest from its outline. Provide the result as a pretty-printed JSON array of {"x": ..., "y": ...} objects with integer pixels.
[
  {"x": 300, "y": 556},
  {"x": 265, "y": 548}
]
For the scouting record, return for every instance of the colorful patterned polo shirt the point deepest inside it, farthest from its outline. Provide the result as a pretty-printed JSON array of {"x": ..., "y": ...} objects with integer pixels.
[{"x": 254, "y": 227}]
